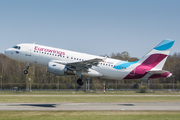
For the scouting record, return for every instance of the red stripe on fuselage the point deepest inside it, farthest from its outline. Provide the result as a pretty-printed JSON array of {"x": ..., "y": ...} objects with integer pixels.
[{"x": 147, "y": 65}]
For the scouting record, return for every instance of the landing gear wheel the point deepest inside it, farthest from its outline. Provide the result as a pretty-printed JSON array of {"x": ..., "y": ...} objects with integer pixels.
[
  {"x": 25, "y": 72},
  {"x": 80, "y": 82}
]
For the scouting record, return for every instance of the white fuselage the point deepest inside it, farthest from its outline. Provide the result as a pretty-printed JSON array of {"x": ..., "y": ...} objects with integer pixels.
[
  {"x": 42, "y": 55},
  {"x": 64, "y": 62}
]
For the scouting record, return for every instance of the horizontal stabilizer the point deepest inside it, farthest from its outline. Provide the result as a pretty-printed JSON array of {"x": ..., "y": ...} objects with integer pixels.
[{"x": 158, "y": 71}]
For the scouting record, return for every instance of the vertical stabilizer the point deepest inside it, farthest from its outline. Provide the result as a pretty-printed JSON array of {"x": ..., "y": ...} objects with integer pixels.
[
  {"x": 150, "y": 66},
  {"x": 156, "y": 58}
]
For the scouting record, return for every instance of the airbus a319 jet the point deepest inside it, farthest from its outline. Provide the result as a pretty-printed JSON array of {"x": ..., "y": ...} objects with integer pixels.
[{"x": 64, "y": 62}]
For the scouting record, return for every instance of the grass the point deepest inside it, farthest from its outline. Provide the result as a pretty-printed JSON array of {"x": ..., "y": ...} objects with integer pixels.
[
  {"x": 84, "y": 98},
  {"x": 87, "y": 93},
  {"x": 87, "y": 99},
  {"x": 89, "y": 115}
]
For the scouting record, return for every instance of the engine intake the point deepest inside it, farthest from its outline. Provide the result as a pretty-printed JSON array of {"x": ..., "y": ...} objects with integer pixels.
[{"x": 59, "y": 69}]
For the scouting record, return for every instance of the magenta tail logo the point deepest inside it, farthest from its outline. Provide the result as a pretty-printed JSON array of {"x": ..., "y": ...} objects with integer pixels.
[{"x": 141, "y": 70}]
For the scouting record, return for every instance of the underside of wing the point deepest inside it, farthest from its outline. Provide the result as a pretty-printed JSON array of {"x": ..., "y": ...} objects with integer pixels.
[
  {"x": 83, "y": 65},
  {"x": 86, "y": 64}
]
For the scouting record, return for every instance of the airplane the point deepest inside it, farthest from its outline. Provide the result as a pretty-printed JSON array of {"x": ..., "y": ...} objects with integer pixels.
[{"x": 64, "y": 62}]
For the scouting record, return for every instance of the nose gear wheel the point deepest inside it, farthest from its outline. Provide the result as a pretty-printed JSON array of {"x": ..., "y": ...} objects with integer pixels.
[{"x": 26, "y": 71}]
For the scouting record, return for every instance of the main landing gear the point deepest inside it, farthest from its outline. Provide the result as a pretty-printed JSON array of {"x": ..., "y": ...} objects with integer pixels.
[
  {"x": 80, "y": 82},
  {"x": 26, "y": 71}
]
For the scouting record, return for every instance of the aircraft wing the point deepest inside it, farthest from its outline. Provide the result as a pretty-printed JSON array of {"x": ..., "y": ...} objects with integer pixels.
[
  {"x": 86, "y": 64},
  {"x": 81, "y": 64}
]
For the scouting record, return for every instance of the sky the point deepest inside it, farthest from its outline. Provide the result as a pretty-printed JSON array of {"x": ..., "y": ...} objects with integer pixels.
[{"x": 96, "y": 27}]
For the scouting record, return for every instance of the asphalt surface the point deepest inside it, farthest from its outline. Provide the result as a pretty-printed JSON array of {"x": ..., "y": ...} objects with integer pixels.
[
  {"x": 93, "y": 95},
  {"x": 89, "y": 106}
]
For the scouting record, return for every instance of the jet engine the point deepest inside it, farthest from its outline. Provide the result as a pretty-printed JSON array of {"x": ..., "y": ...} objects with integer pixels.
[{"x": 59, "y": 69}]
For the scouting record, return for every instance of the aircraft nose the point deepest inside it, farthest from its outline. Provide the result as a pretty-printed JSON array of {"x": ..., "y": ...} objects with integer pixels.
[{"x": 7, "y": 52}]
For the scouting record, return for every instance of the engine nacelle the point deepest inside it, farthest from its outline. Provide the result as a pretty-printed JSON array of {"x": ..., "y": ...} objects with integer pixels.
[{"x": 59, "y": 69}]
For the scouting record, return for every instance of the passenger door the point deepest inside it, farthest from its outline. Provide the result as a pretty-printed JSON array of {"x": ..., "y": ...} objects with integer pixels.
[{"x": 29, "y": 50}]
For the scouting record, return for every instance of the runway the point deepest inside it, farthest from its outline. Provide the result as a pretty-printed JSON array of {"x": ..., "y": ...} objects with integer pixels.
[{"x": 89, "y": 106}]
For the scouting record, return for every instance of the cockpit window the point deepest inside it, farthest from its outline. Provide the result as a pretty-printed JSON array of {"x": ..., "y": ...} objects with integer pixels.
[{"x": 17, "y": 47}]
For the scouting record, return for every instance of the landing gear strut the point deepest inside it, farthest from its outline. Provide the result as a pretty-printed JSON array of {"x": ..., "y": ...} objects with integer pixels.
[{"x": 26, "y": 71}]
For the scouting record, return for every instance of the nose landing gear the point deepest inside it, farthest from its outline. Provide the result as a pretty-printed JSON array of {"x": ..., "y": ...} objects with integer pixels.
[{"x": 26, "y": 71}]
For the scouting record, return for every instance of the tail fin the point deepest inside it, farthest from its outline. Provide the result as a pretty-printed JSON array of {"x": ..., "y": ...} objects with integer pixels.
[
  {"x": 150, "y": 66},
  {"x": 157, "y": 57}
]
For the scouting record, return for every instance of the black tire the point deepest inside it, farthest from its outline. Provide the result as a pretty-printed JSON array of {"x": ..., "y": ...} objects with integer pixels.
[
  {"x": 25, "y": 72},
  {"x": 80, "y": 82}
]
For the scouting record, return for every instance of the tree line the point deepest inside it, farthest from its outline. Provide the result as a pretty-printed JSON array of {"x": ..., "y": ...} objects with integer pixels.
[{"x": 12, "y": 73}]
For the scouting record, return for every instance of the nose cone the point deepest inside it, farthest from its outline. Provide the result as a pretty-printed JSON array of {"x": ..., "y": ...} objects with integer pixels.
[
  {"x": 5, "y": 52},
  {"x": 8, "y": 52}
]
